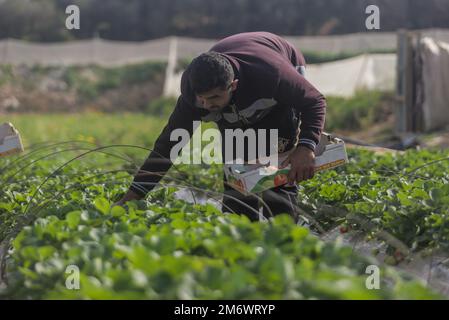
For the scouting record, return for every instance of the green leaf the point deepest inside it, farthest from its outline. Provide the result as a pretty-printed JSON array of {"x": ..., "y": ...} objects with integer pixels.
[
  {"x": 102, "y": 205},
  {"x": 404, "y": 200},
  {"x": 6, "y": 206},
  {"x": 118, "y": 211},
  {"x": 179, "y": 224},
  {"x": 73, "y": 219},
  {"x": 46, "y": 252}
]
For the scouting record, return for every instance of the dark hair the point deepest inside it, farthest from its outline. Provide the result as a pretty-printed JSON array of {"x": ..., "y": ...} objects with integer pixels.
[{"x": 210, "y": 70}]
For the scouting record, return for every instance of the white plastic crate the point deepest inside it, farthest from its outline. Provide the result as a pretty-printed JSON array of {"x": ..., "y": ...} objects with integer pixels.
[
  {"x": 247, "y": 179},
  {"x": 10, "y": 142}
]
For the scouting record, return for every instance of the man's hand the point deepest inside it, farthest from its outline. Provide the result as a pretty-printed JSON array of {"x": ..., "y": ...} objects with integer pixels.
[
  {"x": 130, "y": 195},
  {"x": 302, "y": 161}
]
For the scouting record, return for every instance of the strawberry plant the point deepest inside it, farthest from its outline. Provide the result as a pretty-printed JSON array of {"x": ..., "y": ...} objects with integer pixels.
[
  {"x": 56, "y": 211},
  {"x": 406, "y": 195},
  {"x": 173, "y": 250}
]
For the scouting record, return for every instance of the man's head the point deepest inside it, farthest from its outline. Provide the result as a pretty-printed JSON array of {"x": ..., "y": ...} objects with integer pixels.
[{"x": 212, "y": 80}]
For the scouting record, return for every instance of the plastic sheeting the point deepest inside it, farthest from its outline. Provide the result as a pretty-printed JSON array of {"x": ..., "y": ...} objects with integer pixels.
[
  {"x": 435, "y": 83},
  {"x": 340, "y": 78},
  {"x": 111, "y": 53},
  {"x": 345, "y": 77}
]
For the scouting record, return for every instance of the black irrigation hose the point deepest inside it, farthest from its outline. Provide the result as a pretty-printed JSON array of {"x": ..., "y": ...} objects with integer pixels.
[
  {"x": 76, "y": 173},
  {"x": 189, "y": 187},
  {"x": 92, "y": 177},
  {"x": 32, "y": 215},
  {"x": 27, "y": 155},
  {"x": 97, "y": 149},
  {"x": 17, "y": 228},
  {"x": 86, "y": 153},
  {"x": 420, "y": 167},
  {"x": 55, "y": 153},
  {"x": 381, "y": 234},
  {"x": 391, "y": 172},
  {"x": 59, "y": 168},
  {"x": 92, "y": 184},
  {"x": 426, "y": 165},
  {"x": 363, "y": 222},
  {"x": 359, "y": 170},
  {"x": 366, "y": 224},
  {"x": 74, "y": 187},
  {"x": 90, "y": 151},
  {"x": 76, "y": 149}
]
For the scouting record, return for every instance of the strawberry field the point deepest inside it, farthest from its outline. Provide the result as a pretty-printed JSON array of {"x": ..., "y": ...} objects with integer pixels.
[{"x": 56, "y": 211}]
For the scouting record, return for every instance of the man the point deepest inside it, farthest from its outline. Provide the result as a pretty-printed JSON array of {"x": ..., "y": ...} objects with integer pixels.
[{"x": 249, "y": 80}]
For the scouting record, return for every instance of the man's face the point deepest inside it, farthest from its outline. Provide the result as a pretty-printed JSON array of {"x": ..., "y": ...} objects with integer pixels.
[{"x": 218, "y": 98}]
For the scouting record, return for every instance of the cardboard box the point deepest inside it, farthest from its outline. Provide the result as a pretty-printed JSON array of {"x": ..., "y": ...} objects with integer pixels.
[
  {"x": 10, "y": 142},
  {"x": 255, "y": 178}
]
